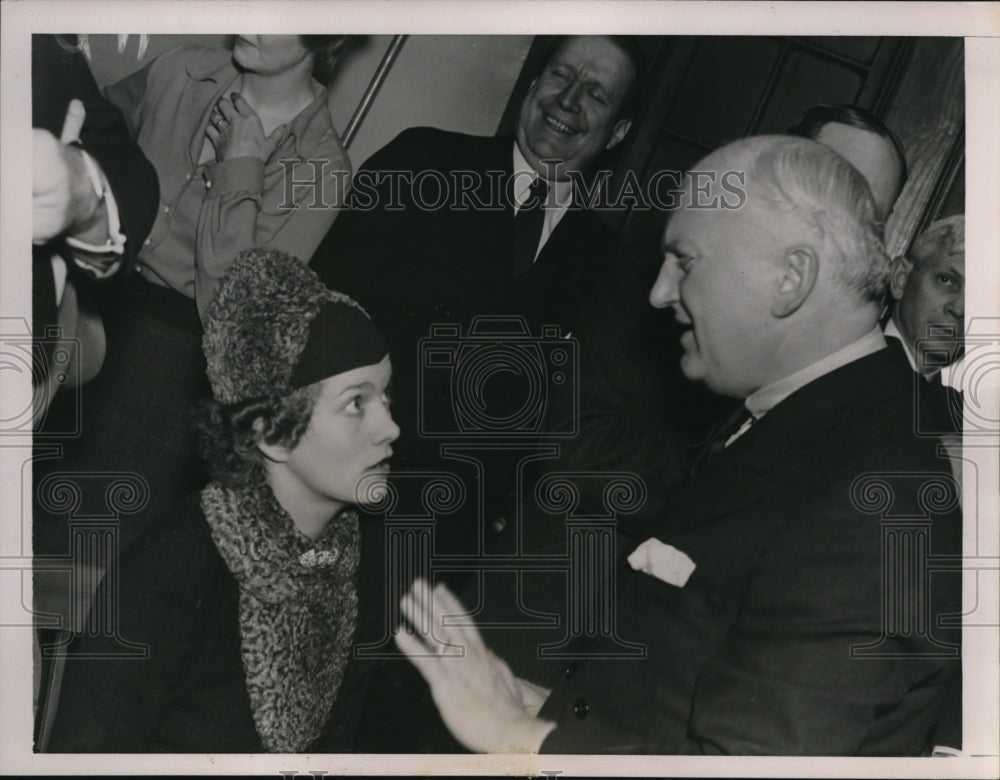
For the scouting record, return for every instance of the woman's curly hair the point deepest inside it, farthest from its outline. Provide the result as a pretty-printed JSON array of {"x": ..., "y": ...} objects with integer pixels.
[
  {"x": 326, "y": 49},
  {"x": 228, "y": 433}
]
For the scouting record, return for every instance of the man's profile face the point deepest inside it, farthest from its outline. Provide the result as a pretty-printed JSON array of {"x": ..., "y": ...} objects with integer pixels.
[
  {"x": 873, "y": 156},
  {"x": 930, "y": 303},
  {"x": 570, "y": 111},
  {"x": 717, "y": 275}
]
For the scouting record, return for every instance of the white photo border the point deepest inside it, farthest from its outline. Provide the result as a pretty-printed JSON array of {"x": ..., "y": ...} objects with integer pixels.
[{"x": 978, "y": 23}]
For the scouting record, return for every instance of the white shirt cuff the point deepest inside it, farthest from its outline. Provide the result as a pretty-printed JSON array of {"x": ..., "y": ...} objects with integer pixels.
[{"x": 115, "y": 243}]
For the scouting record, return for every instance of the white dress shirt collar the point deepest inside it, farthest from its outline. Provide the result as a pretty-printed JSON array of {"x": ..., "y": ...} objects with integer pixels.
[
  {"x": 559, "y": 198},
  {"x": 560, "y": 192},
  {"x": 766, "y": 398},
  {"x": 892, "y": 331},
  {"x": 951, "y": 375}
]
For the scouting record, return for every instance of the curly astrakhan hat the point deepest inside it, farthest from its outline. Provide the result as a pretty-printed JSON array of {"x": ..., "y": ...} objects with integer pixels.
[{"x": 273, "y": 327}]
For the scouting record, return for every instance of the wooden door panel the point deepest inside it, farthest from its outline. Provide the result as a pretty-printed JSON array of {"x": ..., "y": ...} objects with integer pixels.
[
  {"x": 719, "y": 96},
  {"x": 805, "y": 80}
]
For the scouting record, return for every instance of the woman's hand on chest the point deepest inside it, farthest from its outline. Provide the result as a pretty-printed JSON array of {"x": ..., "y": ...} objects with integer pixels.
[{"x": 235, "y": 130}]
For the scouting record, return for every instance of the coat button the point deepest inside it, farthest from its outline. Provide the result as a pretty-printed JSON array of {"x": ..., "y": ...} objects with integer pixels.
[
  {"x": 581, "y": 708},
  {"x": 166, "y": 209},
  {"x": 570, "y": 670},
  {"x": 499, "y": 524}
]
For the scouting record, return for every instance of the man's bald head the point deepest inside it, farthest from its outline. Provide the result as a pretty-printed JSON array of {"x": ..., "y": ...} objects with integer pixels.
[
  {"x": 865, "y": 142},
  {"x": 795, "y": 274}
]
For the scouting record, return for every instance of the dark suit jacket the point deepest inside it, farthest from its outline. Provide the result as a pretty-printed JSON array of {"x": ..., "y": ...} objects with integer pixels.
[
  {"x": 412, "y": 266},
  {"x": 58, "y": 76},
  {"x": 939, "y": 410},
  {"x": 413, "y": 259},
  {"x": 792, "y": 530},
  {"x": 452, "y": 257}
]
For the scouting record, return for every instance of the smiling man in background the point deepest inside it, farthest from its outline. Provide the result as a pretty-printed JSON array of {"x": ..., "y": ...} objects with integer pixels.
[{"x": 444, "y": 226}]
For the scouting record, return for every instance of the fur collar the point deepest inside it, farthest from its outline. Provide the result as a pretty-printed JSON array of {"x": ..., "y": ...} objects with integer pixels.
[{"x": 298, "y": 607}]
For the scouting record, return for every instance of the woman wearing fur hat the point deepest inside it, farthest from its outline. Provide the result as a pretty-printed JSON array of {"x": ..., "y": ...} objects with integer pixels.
[{"x": 237, "y": 610}]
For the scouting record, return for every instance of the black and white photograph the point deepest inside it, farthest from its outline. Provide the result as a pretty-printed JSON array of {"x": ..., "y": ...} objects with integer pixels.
[{"x": 533, "y": 388}]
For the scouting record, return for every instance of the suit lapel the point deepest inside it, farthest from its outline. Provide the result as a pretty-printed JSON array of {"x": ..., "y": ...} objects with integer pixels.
[
  {"x": 745, "y": 472},
  {"x": 495, "y": 230}
]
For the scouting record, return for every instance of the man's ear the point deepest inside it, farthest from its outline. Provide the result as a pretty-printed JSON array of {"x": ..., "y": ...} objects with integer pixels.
[
  {"x": 899, "y": 271},
  {"x": 277, "y": 453},
  {"x": 798, "y": 277},
  {"x": 618, "y": 134}
]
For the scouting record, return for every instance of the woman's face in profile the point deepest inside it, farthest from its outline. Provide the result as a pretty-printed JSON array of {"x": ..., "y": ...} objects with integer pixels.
[
  {"x": 269, "y": 54},
  {"x": 344, "y": 454}
]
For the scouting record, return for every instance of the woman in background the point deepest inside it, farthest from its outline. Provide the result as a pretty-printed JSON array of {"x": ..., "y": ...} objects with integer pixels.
[
  {"x": 228, "y": 133},
  {"x": 245, "y": 602}
]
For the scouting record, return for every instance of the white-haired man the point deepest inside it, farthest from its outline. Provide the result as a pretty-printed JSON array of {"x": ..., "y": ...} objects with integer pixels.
[
  {"x": 927, "y": 320},
  {"x": 764, "y": 597},
  {"x": 928, "y": 291}
]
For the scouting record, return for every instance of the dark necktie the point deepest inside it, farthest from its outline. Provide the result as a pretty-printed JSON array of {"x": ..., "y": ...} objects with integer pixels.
[
  {"x": 720, "y": 434},
  {"x": 528, "y": 226}
]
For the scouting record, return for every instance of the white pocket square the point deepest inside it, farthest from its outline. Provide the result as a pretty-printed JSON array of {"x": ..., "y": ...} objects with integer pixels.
[{"x": 663, "y": 561}]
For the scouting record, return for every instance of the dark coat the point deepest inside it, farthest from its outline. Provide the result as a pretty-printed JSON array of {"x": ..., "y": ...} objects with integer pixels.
[
  {"x": 417, "y": 265},
  {"x": 171, "y": 678},
  {"x": 412, "y": 267},
  {"x": 940, "y": 407},
  {"x": 758, "y": 651}
]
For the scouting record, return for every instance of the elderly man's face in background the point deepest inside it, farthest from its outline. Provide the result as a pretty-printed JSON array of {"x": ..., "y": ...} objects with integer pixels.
[
  {"x": 571, "y": 109},
  {"x": 873, "y": 156},
  {"x": 930, "y": 291}
]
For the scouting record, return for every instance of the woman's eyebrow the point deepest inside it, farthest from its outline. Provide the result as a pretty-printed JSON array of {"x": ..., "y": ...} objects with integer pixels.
[{"x": 361, "y": 386}]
